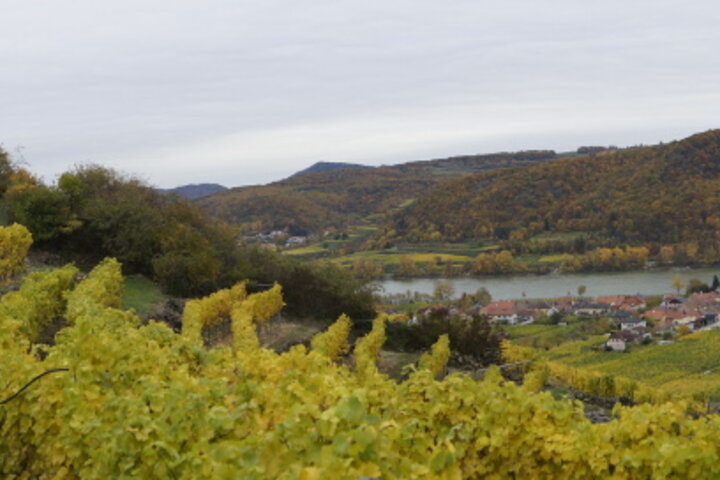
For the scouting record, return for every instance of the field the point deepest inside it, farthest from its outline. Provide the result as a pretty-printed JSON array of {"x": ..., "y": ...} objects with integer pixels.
[
  {"x": 331, "y": 246},
  {"x": 309, "y": 250},
  {"x": 548, "y": 336},
  {"x": 691, "y": 364},
  {"x": 141, "y": 294},
  {"x": 393, "y": 257}
]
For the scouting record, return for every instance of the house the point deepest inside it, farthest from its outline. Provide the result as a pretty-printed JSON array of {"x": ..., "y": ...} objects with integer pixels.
[
  {"x": 632, "y": 324},
  {"x": 616, "y": 344},
  {"x": 624, "y": 302},
  {"x": 672, "y": 302},
  {"x": 620, "y": 315},
  {"x": 507, "y": 311},
  {"x": 664, "y": 326},
  {"x": 635, "y": 302},
  {"x": 661, "y": 313},
  {"x": 591, "y": 308},
  {"x": 540, "y": 308},
  {"x": 704, "y": 321},
  {"x": 618, "y": 341},
  {"x": 564, "y": 305},
  {"x": 704, "y": 302},
  {"x": 295, "y": 241}
]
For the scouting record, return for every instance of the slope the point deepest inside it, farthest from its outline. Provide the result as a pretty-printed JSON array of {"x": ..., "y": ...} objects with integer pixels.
[
  {"x": 336, "y": 198},
  {"x": 194, "y": 191},
  {"x": 665, "y": 194}
]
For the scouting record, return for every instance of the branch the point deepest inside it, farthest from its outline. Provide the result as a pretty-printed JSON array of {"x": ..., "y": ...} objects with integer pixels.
[{"x": 33, "y": 380}]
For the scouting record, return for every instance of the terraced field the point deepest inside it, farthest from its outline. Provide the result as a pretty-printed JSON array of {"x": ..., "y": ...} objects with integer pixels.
[{"x": 691, "y": 364}]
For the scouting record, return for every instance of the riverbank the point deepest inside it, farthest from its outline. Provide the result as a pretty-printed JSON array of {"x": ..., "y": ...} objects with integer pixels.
[{"x": 656, "y": 281}]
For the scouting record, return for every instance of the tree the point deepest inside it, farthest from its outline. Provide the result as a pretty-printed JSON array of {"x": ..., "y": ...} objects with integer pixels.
[
  {"x": 44, "y": 211},
  {"x": 482, "y": 296},
  {"x": 678, "y": 283},
  {"x": 666, "y": 254},
  {"x": 581, "y": 289},
  {"x": 696, "y": 286},
  {"x": 7, "y": 169},
  {"x": 715, "y": 283},
  {"x": 406, "y": 267},
  {"x": 443, "y": 291}
]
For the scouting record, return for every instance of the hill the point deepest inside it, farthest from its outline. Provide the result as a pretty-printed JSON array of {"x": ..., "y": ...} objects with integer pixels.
[
  {"x": 653, "y": 195},
  {"x": 194, "y": 191},
  {"x": 335, "y": 198},
  {"x": 327, "y": 166}
]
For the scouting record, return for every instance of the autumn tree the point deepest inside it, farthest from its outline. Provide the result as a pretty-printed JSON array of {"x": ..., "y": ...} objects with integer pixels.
[
  {"x": 678, "y": 283},
  {"x": 406, "y": 267},
  {"x": 443, "y": 291}
]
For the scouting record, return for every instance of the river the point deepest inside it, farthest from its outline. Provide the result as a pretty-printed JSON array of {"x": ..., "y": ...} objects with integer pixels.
[{"x": 505, "y": 287}]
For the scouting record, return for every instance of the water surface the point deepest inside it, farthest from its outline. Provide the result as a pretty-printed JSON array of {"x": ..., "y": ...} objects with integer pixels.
[{"x": 645, "y": 282}]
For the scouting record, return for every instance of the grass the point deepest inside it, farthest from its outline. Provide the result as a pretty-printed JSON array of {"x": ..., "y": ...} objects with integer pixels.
[
  {"x": 392, "y": 257},
  {"x": 141, "y": 294},
  {"x": 689, "y": 365},
  {"x": 560, "y": 236},
  {"x": 310, "y": 250},
  {"x": 282, "y": 334},
  {"x": 550, "y": 336},
  {"x": 393, "y": 363},
  {"x": 559, "y": 258}
]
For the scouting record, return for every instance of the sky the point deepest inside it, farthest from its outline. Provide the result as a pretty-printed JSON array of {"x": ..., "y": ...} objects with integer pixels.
[{"x": 243, "y": 92}]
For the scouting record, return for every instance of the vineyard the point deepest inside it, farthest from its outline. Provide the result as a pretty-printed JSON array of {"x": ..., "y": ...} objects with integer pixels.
[
  {"x": 140, "y": 401},
  {"x": 690, "y": 366}
]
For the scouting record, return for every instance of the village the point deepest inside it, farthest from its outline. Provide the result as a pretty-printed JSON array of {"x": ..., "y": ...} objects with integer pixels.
[
  {"x": 629, "y": 319},
  {"x": 632, "y": 321}
]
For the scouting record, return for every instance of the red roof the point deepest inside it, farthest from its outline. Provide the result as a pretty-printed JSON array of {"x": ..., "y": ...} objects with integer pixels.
[
  {"x": 703, "y": 299},
  {"x": 620, "y": 300},
  {"x": 660, "y": 313},
  {"x": 610, "y": 300},
  {"x": 499, "y": 308}
]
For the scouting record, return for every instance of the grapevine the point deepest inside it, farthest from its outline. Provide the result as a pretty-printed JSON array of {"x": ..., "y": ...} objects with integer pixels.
[{"x": 140, "y": 401}]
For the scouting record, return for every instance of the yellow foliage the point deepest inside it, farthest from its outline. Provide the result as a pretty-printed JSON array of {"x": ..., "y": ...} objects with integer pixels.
[
  {"x": 437, "y": 358},
  {"x": 368, "y": 348},
  {"x": 210, "y": 310},
  {"x": 140, "y": 401},
  {"x": 333, "y": 342},
  {"x": 15, "y": 242}
]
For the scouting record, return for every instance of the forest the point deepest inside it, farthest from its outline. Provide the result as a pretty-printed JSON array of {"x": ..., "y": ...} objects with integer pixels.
[
  {"x": 93, "y": 212},
  {"x": 665, "y": 198},
  {"x": 334, "y": 199}
]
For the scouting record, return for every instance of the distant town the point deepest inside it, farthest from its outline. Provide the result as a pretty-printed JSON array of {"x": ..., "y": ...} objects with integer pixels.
[{"x": 633, "y": 318}]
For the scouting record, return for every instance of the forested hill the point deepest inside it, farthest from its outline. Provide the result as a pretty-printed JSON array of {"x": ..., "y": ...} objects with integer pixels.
[
  {"x": 664, "y": 194},
  {"x": 195, "y": 191},
  {"x": 315, "y": 201},
  {"x": 326, "y": 167}
]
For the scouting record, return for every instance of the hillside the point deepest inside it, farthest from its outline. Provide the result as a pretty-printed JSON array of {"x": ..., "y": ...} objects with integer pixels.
[
  {"x": 313, "y": 202},
  {"x": 195, "y": 191},
  {"x": 658, "y": 195},
  {"x": 326, "y": 167}
]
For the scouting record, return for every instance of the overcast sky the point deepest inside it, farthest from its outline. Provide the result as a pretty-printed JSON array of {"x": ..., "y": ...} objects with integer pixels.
[{"x": 241, "y": 92}]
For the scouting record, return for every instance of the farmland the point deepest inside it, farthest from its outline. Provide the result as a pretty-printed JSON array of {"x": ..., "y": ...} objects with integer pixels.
[{"x": 689, "y": 365}]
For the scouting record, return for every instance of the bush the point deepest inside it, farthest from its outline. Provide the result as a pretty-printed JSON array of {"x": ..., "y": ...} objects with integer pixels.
[{"x": 470, "y": 336}]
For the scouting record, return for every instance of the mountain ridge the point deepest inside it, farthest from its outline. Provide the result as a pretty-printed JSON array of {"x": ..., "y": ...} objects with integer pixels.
[
  {"x": 194, "y": 191},
  {"x": 326, "y": 167},
  {"x": 314, "y": 202},
  {"x": 667, "y": 194}
]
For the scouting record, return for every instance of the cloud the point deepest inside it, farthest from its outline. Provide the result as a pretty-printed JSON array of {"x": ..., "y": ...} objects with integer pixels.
[{"x": 249, "y": 91}]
